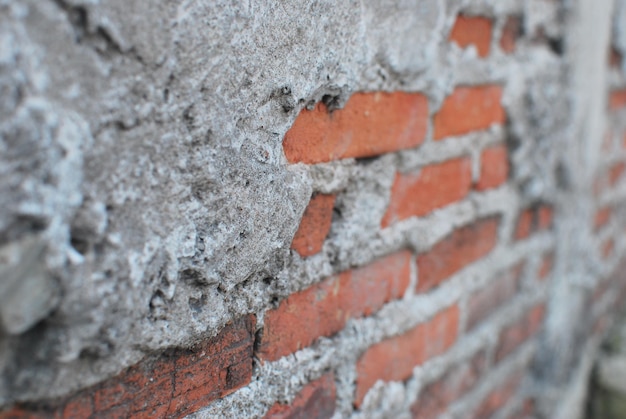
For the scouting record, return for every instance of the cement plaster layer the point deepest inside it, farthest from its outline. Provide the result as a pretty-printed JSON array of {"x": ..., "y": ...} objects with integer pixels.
[{"x": 145, "y": 199}]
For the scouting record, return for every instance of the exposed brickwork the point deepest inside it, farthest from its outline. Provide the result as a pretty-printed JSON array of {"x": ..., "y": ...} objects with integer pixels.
[
  {"x": 314, "y": 226},
  {"x": 435, "y": 186},
  {"x": 615, "y": 58},
  {"x": 510, "y": 33},
  {"x": 494, "y": 168},
  {"x": 448, "y": 204},
  {"x": 602, "y": 217},
  {"x": 469, "y": 109},
  {"x": 617, "y": 100},
  {"x": 607, "y": 248},
  {"x": 473, "y": 30},
  {"x": 462, "y": 247},
  {"x": 546, "y": 265},
  {"x": 370, "y": 124},
  {"x": 615, "y": 173},
  {"x": 394, "y": 359},
  {"x": 435, "y": 398},
  {"x": 315, "y": 401},
  {"x": 498, "y": 397},
  {"x": 486, "y": 301},
  {"x": 514, "y": 335},
  {"x": 533, "y": 220},
  {"x": 324, "y": 308},
  {"x": 172, "y": 385}
]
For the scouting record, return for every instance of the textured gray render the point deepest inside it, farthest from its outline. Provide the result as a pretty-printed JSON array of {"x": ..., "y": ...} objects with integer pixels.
[{"x": 145, "y": 199}]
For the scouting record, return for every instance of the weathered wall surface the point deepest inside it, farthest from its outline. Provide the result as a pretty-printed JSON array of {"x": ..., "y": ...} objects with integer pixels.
[{"x": 352, "y": 208}]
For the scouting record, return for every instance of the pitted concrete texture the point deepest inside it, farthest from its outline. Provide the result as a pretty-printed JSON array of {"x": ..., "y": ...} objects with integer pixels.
[{"x": 145, "y": 198}]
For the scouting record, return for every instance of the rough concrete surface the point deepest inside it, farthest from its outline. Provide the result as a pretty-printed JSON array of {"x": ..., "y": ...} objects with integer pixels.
[{"x": 144, "y": 185}]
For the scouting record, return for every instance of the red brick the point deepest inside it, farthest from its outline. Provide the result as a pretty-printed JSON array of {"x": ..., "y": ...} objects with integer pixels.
[
  {"x": 153, "y": 398},
  {"x": 80, "y": 406},
  {"x": 615, "y": 173},
  {"x": 486, "y": 301},
  {"x": 324, "y": 308},
  {"x": 436, "y": 397},
  {"x": 470, "y": 30},
  {"x": 607, "y": 248},
  {"x": 546, "y": 266},
  {"x": 17, "y": 412},
  {"x": 469, "y": 109},
  {"x": 510, "y": 33},
  {"x": 545, "y": 215},
  {"x": 494, "y": 168},
  {"x": 533, "y": 220},
  {"x": 394, "y": 359},
  {"x": 617, "y": 99},
  {"x": 369, "y": 125},
  {"x": 460, "y": 248},
  {"x": 315, "y": 401},
  {"x": 524, "y": 224},
  {"x": 213, "y": 369},
  {"x": 499, "y": 397},
  {"x": 512, "y": 336},
  {"x": 615, "y": 58},
  {"x": 435, "y": 186},
  {"x": 314, "y": 226},
  {"x": 601, "y": 218}
]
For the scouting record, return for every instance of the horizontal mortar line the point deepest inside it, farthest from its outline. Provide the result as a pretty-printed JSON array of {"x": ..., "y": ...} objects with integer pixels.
[
  {"x": 441, "y": 222},
  {"x": 463, "y": 350},
  {"x": 317, "y": 358},
  {"x": 430, "y": 229},
  {"x": 323, "y": 355},
  {"x": 499, "y": 374},
  {"x": 449, "y": 148}
]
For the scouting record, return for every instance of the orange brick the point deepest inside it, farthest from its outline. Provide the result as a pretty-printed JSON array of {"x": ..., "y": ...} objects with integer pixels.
[
  {"x": 435, "y": 398},
  {"x": 315, "y": 400},
  {"x": 469, "y": 30},
  {"x": 607, "y": 248},
  {"x": 369, "y": 125},
  {"x": 524, "y": 224},
  {"x": 394, "y": 359},
  {"x": 324, "y": 308},
  {"x": 435, "y": 186},
  {"x": 545, "y": 215},
  {"x": 486, "y": 301},
  {"x": 615, "y": 173},
  {"x": 601, "y": 218},
  {"x": 511, "y": 337},
  {"x": 546, "y": 266},
  {"x": 510, "y": 33},
  {"x": 617, "y": 99},
  {"x": 469, "y": 109},
  {"x": 533, "y": 220},
  {"x": 499, "y": 397},
  {"x": 463, "y": 246},
  {"x": 314, "y": 226},
  {"x": 494, "y": 168}
]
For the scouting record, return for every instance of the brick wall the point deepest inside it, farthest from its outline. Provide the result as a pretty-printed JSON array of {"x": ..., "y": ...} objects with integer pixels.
[{"x": 445, "y": 311}]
